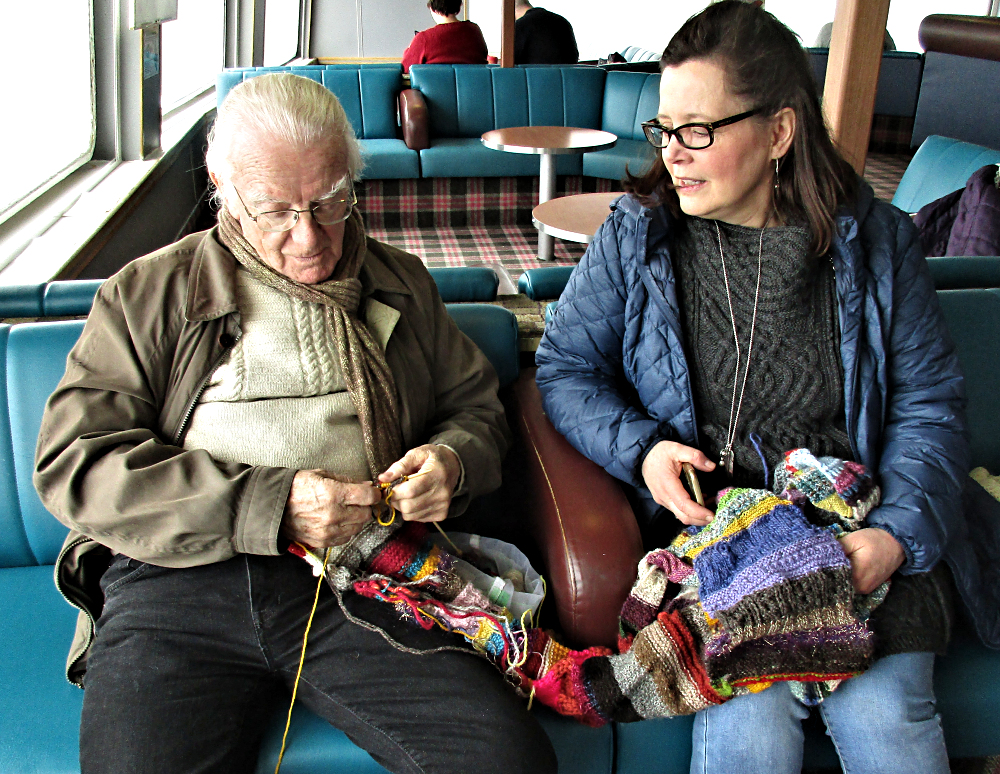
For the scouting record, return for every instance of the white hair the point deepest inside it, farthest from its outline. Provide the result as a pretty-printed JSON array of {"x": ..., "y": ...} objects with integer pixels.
[{"x": 288, "y": 107}]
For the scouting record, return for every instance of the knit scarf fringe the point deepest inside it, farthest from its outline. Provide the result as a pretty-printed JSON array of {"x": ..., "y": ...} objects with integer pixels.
[
  {"x": 761, "y": 595},
  {"x": 369, "y": 379}
]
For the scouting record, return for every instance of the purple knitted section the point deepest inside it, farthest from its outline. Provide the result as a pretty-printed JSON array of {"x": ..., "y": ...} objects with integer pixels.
[
  {"x": 636, "y": 613},
  {"x": 828, "y": 650},
  {"x": 675, "y": 568},
  {"x": 719, "y": 562},
  {"x": 805, "y": 556}
]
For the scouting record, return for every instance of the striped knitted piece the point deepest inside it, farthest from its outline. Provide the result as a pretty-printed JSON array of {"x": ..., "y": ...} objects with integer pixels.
[
  {"x": 766, "y": 596},
  {"x": 401, "y": 565}
]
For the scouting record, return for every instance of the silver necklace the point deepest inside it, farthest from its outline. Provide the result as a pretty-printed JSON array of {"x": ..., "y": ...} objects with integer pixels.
[{"x": 726, "y": 456}]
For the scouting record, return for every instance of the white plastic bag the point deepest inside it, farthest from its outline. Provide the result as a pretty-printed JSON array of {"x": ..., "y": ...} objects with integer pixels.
[{"x": 516, "y": 586}]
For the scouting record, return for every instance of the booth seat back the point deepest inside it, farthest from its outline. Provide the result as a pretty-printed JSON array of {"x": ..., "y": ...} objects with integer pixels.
[
  {"x": 973, "y": 316},
  {"x": 368, "y": 93},
  {"x": 898, "y": 80},
  {"x": 34, "y": 358},
  {"x": 960, "y": 87},
  {"x": 940, "y": 165},
  {"x": 463, "y": 101},
  {"x": 629, "y": 99},
  {"x": 74, "y": 298},
  {"x": 61, "y": 298}
]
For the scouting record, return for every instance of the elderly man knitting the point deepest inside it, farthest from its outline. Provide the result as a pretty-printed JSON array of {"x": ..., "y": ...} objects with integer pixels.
[{"x": 244, "y": 390}]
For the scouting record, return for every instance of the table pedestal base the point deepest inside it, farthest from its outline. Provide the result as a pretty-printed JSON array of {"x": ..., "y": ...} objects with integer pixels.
[{"x": 546, "y": 190}]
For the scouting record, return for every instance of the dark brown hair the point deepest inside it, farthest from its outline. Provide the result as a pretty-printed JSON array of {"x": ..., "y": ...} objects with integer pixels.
[
  {"x": 445, "y": 7},
  {"x": 766, "y": 66}
]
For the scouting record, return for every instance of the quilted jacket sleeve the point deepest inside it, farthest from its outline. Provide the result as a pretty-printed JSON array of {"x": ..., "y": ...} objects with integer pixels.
[
  {"x": 924, "y": 452},
  {"x": 581, "y": 374}
]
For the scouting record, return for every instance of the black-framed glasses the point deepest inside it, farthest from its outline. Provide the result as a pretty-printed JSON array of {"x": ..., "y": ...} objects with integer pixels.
[
  {"x": 326, "y": 213},
  {"x": 692, "y": 136}
]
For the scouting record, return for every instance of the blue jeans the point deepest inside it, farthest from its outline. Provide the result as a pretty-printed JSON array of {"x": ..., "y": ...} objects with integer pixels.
[
  {"x": 881, "y": 721},
  {"x": 190, "y": 664}
]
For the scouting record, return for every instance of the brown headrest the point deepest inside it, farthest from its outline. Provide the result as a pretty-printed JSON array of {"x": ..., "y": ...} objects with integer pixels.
[{"x": 975, "y": 36}]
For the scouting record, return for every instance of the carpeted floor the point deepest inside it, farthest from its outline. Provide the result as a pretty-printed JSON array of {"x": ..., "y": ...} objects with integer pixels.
[{"x": 487, "y": 221}]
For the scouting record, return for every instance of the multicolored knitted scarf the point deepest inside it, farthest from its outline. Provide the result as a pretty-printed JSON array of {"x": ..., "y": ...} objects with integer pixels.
[
  {"x": 765, "y": 596},
  {"x": 760, "y": 595}
]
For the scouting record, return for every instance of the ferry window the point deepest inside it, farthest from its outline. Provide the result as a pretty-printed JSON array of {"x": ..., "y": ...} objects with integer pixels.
[
  {"x": 807, "y": 19},
  {"x": 193, "y": 50},
  {"x": 50, "y": 129},
  {"x": 281, "y": 31}
]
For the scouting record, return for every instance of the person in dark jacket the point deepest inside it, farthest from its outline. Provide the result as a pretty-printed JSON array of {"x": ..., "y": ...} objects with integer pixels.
[
  {"x": 449, "y": 41},
  {"x": 542, "y": 37},
  {"x": 747, "y": 297}
]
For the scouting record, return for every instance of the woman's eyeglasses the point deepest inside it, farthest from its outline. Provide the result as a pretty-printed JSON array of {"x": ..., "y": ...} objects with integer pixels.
[
  {"x": 691, "y": 136},
  {"x": 326, "y": 213}
]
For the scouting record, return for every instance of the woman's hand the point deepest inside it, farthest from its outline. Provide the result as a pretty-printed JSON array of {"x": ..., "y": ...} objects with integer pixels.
[
  {"x": 435, "y": 470},
  {"x": 874, "y": 555},
  {"x": 661, "y": 470}
]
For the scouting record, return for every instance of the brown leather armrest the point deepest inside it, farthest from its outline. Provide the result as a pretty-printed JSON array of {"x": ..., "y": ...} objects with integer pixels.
[
  {"x": 414, "y": 120},
  {"x": 582, "y": 523}
]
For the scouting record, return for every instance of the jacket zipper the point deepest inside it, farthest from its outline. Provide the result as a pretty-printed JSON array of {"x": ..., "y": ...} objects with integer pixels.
[
  {"x": 202, "y": 386},
  {"x": 62, "y": 591}
]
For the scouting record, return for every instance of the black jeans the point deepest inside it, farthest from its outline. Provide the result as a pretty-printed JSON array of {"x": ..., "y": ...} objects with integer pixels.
[{"x": 189, "y": 665}]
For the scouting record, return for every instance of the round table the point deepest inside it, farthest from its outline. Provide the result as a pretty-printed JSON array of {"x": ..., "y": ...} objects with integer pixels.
[
  {"x": 548, "y": 142},
  {"x": 575, "y": 217}
]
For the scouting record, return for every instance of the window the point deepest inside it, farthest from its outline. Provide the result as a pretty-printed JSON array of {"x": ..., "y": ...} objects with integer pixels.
[
  {"x": 904, "y": 17},
  {"x": 50, "y": 126},
  {"x": 193, "y": 50},
  {"x": 281, "y": 31}
]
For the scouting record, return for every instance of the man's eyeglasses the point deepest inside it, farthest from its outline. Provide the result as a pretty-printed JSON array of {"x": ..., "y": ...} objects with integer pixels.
[
  {"x": 691, "y": 136},
  {"x": 326, "y": 213}
]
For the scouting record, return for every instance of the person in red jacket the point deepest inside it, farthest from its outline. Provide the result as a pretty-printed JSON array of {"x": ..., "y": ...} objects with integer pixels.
[{"x": 449, "y": 41}]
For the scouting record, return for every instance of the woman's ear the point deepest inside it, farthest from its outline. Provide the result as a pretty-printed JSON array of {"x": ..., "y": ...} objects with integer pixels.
[{"x": 783, "y": 126}]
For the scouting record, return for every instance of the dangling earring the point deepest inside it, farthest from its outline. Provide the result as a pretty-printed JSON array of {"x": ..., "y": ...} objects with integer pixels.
[{"x": 775, "y": 177}]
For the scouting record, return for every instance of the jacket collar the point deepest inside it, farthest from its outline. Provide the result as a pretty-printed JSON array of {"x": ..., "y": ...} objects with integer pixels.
[{"x": 212, "y": 290}]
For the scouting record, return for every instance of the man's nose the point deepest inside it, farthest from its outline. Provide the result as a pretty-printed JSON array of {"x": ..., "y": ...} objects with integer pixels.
[{"x": 306, "y": 230}]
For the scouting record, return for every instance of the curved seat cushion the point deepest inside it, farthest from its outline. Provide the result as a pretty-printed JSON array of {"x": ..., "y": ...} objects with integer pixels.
[
  {"x": 39, "y": 709},
  {"x": 465, "y": 283},
  {"x": 36, "y": 360},
  {"x": 965, "y": 271},
  {"x": 544, "y": 282},
  {"x": 21, "y": 300},
  {"x": 634, "y": 156},
  {"x": 388, "y": 159},
  {"x": 941, "y": 165},
  {"x": 69, "y": 298}
]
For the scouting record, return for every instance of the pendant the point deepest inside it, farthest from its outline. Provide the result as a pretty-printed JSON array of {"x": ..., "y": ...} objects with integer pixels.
[{"x": 726, "y": 459}]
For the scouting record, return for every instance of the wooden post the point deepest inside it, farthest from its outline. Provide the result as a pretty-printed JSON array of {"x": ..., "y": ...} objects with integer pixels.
[
  {"x": 852, "y": 74},
  {"x": 507, "y": 33}
]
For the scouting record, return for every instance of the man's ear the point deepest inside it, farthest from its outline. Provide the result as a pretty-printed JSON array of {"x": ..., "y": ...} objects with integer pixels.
[
  {"x": 217, "y": 182},
  {"x": 783, "y": 127}
]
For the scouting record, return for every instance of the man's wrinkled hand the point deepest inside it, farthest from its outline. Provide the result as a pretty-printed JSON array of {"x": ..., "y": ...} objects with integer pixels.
[
  {"x": 874, "y": 555},
  {"x": 326, "y": 510},
  {"x": 661, "y": 470},
  {"x": 435, "y": 471}
]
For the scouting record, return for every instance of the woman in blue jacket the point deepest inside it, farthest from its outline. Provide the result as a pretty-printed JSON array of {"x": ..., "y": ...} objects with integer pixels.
[{"x": 750, "y": 296}]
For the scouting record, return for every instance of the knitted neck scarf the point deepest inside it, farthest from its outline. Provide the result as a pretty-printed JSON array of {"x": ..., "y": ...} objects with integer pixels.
[{"x": 369, "y": 380}]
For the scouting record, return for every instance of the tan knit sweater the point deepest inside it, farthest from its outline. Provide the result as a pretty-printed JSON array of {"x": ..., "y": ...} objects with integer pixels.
[{"x": 279, "y": 398}]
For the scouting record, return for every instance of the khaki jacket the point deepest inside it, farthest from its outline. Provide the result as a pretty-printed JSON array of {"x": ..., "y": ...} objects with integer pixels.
[{"x": 109, "y": 464}]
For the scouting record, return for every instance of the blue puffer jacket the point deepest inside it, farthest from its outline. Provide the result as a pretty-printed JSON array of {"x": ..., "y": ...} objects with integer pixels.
[{"x": 613, "y": 375}]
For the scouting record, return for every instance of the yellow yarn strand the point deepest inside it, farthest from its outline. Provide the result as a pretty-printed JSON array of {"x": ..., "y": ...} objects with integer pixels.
[{"x": 302, "y": 659}]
